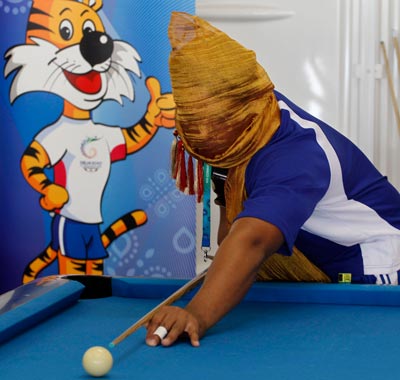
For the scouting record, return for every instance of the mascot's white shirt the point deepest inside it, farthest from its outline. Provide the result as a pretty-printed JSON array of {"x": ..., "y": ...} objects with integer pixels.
[{"x": 81, "y": 153}]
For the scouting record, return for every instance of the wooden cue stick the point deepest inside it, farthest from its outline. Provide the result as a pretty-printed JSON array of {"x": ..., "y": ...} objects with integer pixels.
[
  {"x": 397, "y": 49},
  {"x": 391, "y": 86},
  {"x": 171, "y": 299}
]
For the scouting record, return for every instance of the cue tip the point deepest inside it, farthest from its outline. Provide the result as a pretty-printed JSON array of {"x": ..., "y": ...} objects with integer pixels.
[{"x": 111, "y": 345}]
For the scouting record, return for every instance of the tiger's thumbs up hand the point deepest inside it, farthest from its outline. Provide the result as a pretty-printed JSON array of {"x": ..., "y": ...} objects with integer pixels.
[{"x": 161, "y": 109}]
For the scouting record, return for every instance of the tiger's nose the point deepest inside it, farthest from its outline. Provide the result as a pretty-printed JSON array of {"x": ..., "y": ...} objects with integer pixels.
[{"x": 96, "y": 47}]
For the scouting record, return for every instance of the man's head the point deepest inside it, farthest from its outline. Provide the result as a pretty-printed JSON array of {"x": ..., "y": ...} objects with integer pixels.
[{"x": 220, "y": 90}]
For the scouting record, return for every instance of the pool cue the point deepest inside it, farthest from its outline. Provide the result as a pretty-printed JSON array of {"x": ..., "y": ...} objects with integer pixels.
[
  {"x": 168, "y": 301},
  {"x": 391, "y": 86}
]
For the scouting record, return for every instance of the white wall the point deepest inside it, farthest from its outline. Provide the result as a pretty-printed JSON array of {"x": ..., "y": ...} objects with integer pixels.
[
  {"x": 326, "y": 56},
  {"x": 368, "y": 113}
]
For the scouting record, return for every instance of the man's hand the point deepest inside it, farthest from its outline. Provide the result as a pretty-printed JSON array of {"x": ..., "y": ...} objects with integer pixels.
[
  {"x": 232, "y": 272},
  {"x": 177, "y": 322}
]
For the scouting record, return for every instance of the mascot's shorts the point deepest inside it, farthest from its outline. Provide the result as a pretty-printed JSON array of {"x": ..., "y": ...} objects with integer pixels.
[{"x": 77, "y": 240}]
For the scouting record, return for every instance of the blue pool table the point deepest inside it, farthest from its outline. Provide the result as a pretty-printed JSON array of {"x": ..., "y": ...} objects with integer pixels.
[{"x": 280, "y": 331}]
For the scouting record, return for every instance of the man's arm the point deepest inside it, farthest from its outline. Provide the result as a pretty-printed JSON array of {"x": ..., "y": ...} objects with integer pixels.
[
  {"x": 223, "y": 227},
  {"x": 249, "y": 242}
]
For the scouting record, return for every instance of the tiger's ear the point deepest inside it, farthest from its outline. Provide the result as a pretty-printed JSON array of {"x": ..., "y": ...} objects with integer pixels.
[{"x": 94, "y": 4}]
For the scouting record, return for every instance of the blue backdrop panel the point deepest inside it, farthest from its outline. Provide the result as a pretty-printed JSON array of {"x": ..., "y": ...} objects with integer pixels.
[{"x": 165, "y": 245}]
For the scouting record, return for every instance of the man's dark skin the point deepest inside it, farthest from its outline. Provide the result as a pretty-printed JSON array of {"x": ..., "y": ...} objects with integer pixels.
[{"x": 247, "y": 245}]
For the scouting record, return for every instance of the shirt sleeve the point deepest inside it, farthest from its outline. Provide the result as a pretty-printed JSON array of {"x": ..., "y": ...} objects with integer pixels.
[
  {"x": 116, "y": 143},
  {"x": 284, "y": 183}
]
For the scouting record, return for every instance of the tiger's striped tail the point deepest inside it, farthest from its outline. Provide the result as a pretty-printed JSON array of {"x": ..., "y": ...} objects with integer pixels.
[{"x": 128, "y": 222}]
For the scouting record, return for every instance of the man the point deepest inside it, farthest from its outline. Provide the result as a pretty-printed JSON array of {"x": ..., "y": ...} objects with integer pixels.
[{"x": 302, "y": 202}]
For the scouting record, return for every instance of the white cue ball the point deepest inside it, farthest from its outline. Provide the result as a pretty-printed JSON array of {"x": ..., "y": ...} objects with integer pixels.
[{"x": 97, "y": 361}]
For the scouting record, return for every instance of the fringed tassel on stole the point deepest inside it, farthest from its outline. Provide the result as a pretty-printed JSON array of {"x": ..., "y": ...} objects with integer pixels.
[
  {"x": 187, "y": 179},
  {"x": 174, "y": 150},
  {"x": 199, "y": 181},
  {"x": 292, "y": 268},
  {"x": 181, "y": 176}
]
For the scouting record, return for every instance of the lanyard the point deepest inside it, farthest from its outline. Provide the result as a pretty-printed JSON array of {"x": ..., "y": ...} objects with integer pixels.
[{"x": 205, "y": 241}]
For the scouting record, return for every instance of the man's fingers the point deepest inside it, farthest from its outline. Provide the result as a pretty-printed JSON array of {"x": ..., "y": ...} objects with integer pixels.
[
  {"x": 170, "y": 324},
  {"x": 193, "y": 332},
  {"x": 178, "y": 330},
  {"x": 153, "y": 339},
  {"x": 157, "y": 336}
]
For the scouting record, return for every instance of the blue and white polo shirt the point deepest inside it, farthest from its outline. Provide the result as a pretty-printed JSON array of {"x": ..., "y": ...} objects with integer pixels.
[{"x": 326, "y": 197}]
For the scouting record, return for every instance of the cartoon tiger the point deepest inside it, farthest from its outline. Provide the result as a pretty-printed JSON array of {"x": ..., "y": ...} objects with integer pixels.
[{"x": 67, "y": 52}]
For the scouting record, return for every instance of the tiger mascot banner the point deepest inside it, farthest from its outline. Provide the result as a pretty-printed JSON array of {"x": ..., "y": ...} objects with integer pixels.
[{"x": 87, "y": 120}]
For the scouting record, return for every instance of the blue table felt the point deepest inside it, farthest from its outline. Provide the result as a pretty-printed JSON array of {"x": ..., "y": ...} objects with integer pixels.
[{"x": 281, "y": 331}]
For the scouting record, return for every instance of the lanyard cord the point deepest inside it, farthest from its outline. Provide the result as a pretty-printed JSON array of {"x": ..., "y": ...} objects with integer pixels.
[{"x": 205, "y": 241}]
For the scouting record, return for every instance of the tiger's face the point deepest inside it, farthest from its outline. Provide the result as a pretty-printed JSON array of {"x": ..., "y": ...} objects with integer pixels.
[
  {"x": 63, "y": 22},
  {"x": 68, "y": 53}
]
